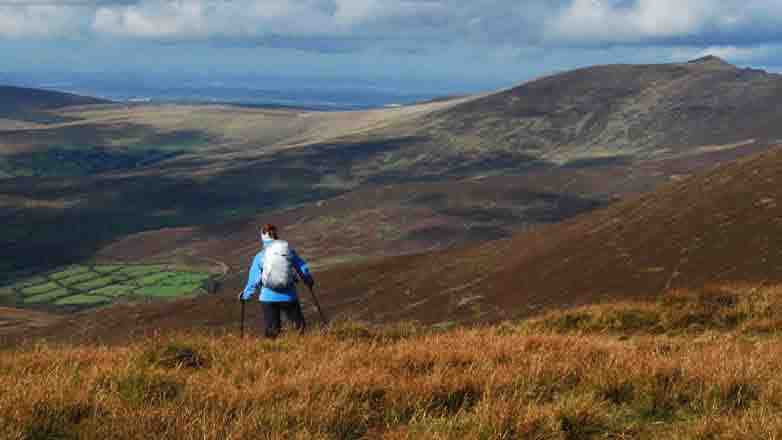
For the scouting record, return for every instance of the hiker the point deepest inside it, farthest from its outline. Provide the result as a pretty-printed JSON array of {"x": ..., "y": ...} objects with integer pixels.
[{"x": 277, "y": 269}]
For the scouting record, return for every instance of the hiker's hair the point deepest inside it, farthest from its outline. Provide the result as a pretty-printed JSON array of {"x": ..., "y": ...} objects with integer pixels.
[{"x": 270, "y": 230}]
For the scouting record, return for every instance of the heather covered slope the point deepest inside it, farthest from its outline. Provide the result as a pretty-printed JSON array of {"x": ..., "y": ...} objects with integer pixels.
[
  {"x": 385, "y": 220},
  {"x": 119, "y": 171},
  {"x": 722, "y": 226},
  {"x": 68, "y": 188},
  {"x": 21, "y": 99},
  {"x": 616, "y": 112},
  {"x": 718, "y": 228}
]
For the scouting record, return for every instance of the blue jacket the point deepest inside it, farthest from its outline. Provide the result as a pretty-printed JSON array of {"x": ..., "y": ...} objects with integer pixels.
[{"x": 269, "y": 295}]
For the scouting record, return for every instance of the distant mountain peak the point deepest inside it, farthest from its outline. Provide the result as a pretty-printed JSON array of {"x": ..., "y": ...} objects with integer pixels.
[{"x": 711, "y": 61}]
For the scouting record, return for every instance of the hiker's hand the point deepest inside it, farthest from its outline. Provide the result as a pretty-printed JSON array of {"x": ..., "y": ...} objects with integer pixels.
[{"x": 241, "y": 296}]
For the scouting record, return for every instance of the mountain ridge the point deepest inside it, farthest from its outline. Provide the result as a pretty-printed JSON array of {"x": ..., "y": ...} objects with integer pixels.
[
  {"x": 719, "y": 228},
  {"x": 641, "y": 111},
  {"x": 514, "y": 162}
]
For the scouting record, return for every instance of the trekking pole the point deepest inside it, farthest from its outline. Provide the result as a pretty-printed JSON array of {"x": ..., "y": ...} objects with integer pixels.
[
  {"x": 242, "y": 325},
  {"x": 317, "y": 305}
]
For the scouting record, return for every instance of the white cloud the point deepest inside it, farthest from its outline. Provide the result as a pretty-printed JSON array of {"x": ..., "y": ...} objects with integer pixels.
[
  {"x": 503, "y": 24},
  {"x": 732, "y": 54},
  {"x": 238, "y": 18},
  {"x": 39, "y": 20},
  {"x": 600, "y": 21},
  {"x": 737, "y": 54},
  {"x": 169, "y": 19},
  {"x": 189, "y": 19},
  {"x": 604, "y": 21},
  {"x": 349, "y": 12}
]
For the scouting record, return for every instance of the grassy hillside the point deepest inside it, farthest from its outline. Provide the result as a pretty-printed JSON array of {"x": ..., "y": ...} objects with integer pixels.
[
  {"x": 34, "y": 105},
  {"x": 568, "y": 143},
  {"x": 721, "y": 226},
  {"x": 695, "y": 364},
  {"x": 620, "y": 112},
  {"x": 67, "y": 188}
]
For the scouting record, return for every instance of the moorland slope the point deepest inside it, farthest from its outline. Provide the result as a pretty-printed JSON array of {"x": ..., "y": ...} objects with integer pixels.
[
  {"x": 348, "y": 188},
  {"x": 614, "y": 130},
  {"x": 15, "y": 100},
  {"x": 719, "y": 228},
  {"x": 620, "y": 112}
]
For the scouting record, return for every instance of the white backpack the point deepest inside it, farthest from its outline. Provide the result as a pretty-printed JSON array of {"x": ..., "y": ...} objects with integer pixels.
[{"x": 278, "y": 270}]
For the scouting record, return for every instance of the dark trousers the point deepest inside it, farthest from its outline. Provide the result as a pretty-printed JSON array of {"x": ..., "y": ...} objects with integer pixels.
[{"x": 271, "y": 316}]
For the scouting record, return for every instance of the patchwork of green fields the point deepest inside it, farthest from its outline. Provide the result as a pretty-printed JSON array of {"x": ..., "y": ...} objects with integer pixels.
[{"x": 85, "y": 286}]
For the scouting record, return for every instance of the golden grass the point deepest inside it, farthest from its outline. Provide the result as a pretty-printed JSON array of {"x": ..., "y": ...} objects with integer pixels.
[
  {"x": 244, "y": 129},
  {"x": 669, "y": 378}
]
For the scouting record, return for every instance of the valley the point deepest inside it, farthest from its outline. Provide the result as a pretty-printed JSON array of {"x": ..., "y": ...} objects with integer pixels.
[
  {"x": 396, "y": 220},
  {"x": 485, "y": 205}
]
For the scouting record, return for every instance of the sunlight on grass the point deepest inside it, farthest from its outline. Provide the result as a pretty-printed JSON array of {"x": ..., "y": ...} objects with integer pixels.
[
  {"x": 155, "y": 278},
  {"x": 136, "y": 270},
  {"x": 78, "y": 278},
  {"x": 40, "y": 288},
  {"x": 617, "y": 377},
  {"x": 114, "y": 290},
  {"x": 77, "y": 300},
  {"x": 108, "y": 268},
  {"x": 69, "y": 272},
  {"x": 47, "y": 297},
  {"x": 167, "y": 291},
  {"x": 85, "y": 286},
  {"x": 95, "y": 283}
]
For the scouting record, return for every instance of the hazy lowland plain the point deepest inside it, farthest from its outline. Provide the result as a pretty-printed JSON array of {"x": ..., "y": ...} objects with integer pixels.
[{"x": 614, "y": 231}]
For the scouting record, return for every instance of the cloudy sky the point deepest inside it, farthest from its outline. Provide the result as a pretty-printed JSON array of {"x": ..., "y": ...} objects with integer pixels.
[{"x": 478, "y": 41}]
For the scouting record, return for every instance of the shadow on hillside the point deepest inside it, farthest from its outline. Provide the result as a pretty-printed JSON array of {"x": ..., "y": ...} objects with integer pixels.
[
  {"x": 39, "y": 236},
  {"x": 104, "y": 208}
]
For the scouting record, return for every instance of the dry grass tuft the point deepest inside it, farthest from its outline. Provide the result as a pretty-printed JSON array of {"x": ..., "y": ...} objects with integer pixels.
[
  {"x": 692, "y": 365},
  {"x": 748, "y": 310},
  {"x": 174, "y": 355}
]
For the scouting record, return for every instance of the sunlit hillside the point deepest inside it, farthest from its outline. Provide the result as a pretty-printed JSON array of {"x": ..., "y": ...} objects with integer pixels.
[{"x": 694, "y": 364}]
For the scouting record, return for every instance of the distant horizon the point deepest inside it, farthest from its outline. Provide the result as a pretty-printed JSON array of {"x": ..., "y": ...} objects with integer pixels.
[
  {"x": 264, "y": 90},
  {"x": 247, "y": 89},
  {"x": 476, "y": 44}
]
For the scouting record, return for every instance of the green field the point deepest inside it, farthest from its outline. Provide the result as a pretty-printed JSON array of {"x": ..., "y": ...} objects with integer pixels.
[
  {"x": 68, "y": 273},
  {"x": 168, "y": 291},
  {"x": 134, "y": 271},
  {"x": 78, "y": 278},
  {"x": 156, "y": 278},
  {"x": 31, "y": 281},
  {"x": 115, "y": 290},
  {"x": 85, "y": 286},
  {"x": 39, "y": 288},
  {"x": 186, "y": 278},
  {"x": 81, "y": 300},
  {"x": 96, "y": 283},
  {"x": 108, "y": 268},
  {"x": 46, "y": 297}
]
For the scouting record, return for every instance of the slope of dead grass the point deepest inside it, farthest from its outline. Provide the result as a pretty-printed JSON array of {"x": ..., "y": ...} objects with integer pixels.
[
  {"x": 693, "y": 365},
  {"x": 740, "y": 309}
]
